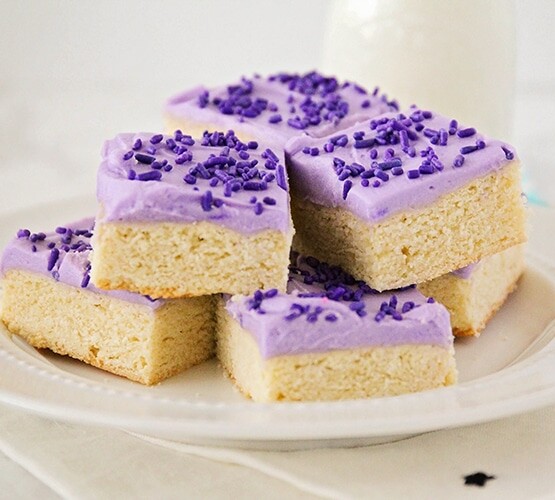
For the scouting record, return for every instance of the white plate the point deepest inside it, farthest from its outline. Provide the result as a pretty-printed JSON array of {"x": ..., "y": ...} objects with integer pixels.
[{"x": 510, "y": 369}]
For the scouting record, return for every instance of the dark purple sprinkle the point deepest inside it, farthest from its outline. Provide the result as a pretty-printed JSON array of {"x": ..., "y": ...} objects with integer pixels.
[
  {"x": 314, "y": 152},
  {"x": 407, "y": 306},
  {"x": 458, "y": 161},
  {"x": 33, "y": 238},
  {"x": 252, "y": 145},
  {"x": 280, "y": 178},
  {"x": 23, "y": 233},
  {"x": 373, "y": 154},
  {"x": 155, "y": 139},
  {"x": 85, "y": 280},
  {"x": 258, "y": 208},
  {"x": 413, "y": 174},
  {"x": 128, "y": 155},
  {"x": 347, "y": 185},
  {"x": 213, "y": 182},
  {"x": 156, "y": 165},
  {"x": 33, "y": 248},
  {"x": 383, "y": 176},
  {"x": 387, "y": 165},
  {"x": 190, "y": 179},
  {"x": 41, "y": 236},
  {"x": 468, "y": 149},
  {"x": 480, "y": 144},
  {"x": 443, "y": 137},
  {"x": 151, "y": 150},
  {"x": 206, "y": 201},
  {"x": 61, "y": 230},
  {"x": 329, "y": 147},
  {"x": 330, "y": 317},
  {"x": 379, "y": 316},
  {"x": 466, "y": 132},
  {"x": 368, "y": 174},
  {"x": 376, "y": 184},
  {"x": 427, "y": 114},
  {"x": 138, "y": 144},
  {"x": 275, "y": 118},
  {"x": 397, "y": 171},
  {"x": 419, "y": 127},
  {"x": 146, "y": 159},
  {"x": 271, "y": 293},
  {"x": 168, "y": 168},
  {"x": 365, "y": 104},
  {"x": 52, "y": 259},
  {"x": 430, "y": 300},
  {"x": 269, "y": 201},
  {"x": 306, "y": 150},
  {"x": 364, "y": 143},
  {"x": 218, "y": 203},
  {"x": 426, "y": 169},
  {"x": 152, "y": 175},
  {"x": 51, "y": 245},
  {"x": 508, "y": 153},
  {"x": 364, "y": 182}
]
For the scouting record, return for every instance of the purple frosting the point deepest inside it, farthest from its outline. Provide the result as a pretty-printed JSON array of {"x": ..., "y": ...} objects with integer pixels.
[
  {"x": 466, "y": 272},
  {"x": 62, "y": 255},
  {"x": 392, "y": 163},
  {"x": 280, "y": 106},
  {"x": 326, "y": 309},
  {"x": 153, "y": 177}
]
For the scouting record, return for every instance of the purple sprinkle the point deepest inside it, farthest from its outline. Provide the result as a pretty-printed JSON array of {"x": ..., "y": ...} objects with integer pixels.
[
  {"x": 407, "y": 306},
  {"x": 314, "y": 152},
  {"x": 306, "y": 150},
  {"x": 128, "y": 155},
  {"x": 138, "y": 144},
  {"x": 23, "y": 233},
  {"x": 480, "y": 144},
  {"x": 85, "y": 280},
  {"x": 466, "y": 132},
  {"x": 373, "y": 154},
  {"x": 151, "y": 150},
  {"x": 329, "y": 147},
  {"x": 413, "y": 174},
  {"x": 146, "y": 159},
  {"x": 468, "y": 149},
  {"x": 364, "y": 143},
  {"x": 458, "y": 161},
  {"x": 33, "y": 248},
  {"x": 190, "y": 179},
  {"x": 218, "y": 203},
  {"x": 206, "y": 201},
  {"x": 271, "y": 293},
  {"x": 376, "y": 184},
  {"x": 275, "y": 118},
  {"x": 331, "y": 317},
  {"x": 397, "y": 171},
  {"x": 258, "y": 208},
  {"x": 152, "y": 175},
  {"x": 364, "y": 182},
  {"x": 155, "y": 139},
  {"x": 383, "y": 176},
  {"x": 269, "y": 201},
  {"x": 347, "y": 185},
  {"x": 252, "y": 145},
  {"x": 379, "y": 317},
  {"x": 365, "y": 104},
  {"x": 426, "y": 169},
  {"x": 508, "y": 153},
  {"x": 430, "y": 300},
  {"x": 280, "y": 178},
  {"x": 52, "y": 259},
  {"x": 61, "y": 230},
  {"x": 51, "y": 245}
]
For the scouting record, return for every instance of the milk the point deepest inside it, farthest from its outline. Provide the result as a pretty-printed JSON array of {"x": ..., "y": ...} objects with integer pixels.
[{"x": 456, "y": 57}]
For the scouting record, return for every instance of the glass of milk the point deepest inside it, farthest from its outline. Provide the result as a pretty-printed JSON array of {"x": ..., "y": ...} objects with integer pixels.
[{"x": 456, "y": 57}]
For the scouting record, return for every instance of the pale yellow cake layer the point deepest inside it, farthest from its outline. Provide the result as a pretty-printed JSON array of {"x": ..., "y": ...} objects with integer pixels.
[
  {"x": 480, "y": 219},
  {"x": 349, "y": 374},
  {"x": 472, "y": 302},
  {"x": 174, "y": 260},
  {"x": 131, "y": 340}
]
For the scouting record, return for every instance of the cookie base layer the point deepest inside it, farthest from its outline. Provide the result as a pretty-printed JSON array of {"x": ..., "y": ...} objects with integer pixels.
[
  {"x": 350, "y": 374},
  {"x": 462, "y": 227},
  {"x": 135, "y": 341},
  {"x": 472, "y": 302},
  {"x": 173, "y": 260},
  {"x": 196, "y": 129}
]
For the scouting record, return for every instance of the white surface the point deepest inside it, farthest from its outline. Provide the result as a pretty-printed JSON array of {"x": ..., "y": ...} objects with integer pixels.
[{"x": 201, "y": 406}]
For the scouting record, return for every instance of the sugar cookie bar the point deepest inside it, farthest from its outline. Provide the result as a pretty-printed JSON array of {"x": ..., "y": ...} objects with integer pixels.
[
  {"x": 332, "y": 337},
  {"x": 277, "y": 107},
  {"x": 473, "y": 294},
  {"x": 405, "y": 197},
  {"x": 182, "y": 217},
  {"x": 50, "y": 302}
]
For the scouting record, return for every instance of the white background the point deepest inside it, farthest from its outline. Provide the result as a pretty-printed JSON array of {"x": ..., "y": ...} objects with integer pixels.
[{"x": 75, "y": 73}]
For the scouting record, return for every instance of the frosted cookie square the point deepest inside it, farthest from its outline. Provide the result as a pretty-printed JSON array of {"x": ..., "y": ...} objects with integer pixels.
[
  {"x": 405, "y": 197},
  {"x": 277, "y": 107},
  {"x": 189, "y": 217},
  {"x": 333, "y": 337},
  {"x": 473, "y": 294},
  {"x": 49, "y": 301}
]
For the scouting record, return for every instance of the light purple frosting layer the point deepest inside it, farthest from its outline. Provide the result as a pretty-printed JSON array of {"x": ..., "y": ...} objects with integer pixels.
[
  {"x": 172, "y": 199},
  {"x": 432, "y": 155},
  {"x": 425, "y": 323},
  {"x": 325, "y": 103},
  {"x": 71, "y": 263},
  {"x": 467, "y": 271}
]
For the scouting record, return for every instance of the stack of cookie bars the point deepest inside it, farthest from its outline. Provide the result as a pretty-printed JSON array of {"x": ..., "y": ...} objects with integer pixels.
[{"x": 323, "y": 242}]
